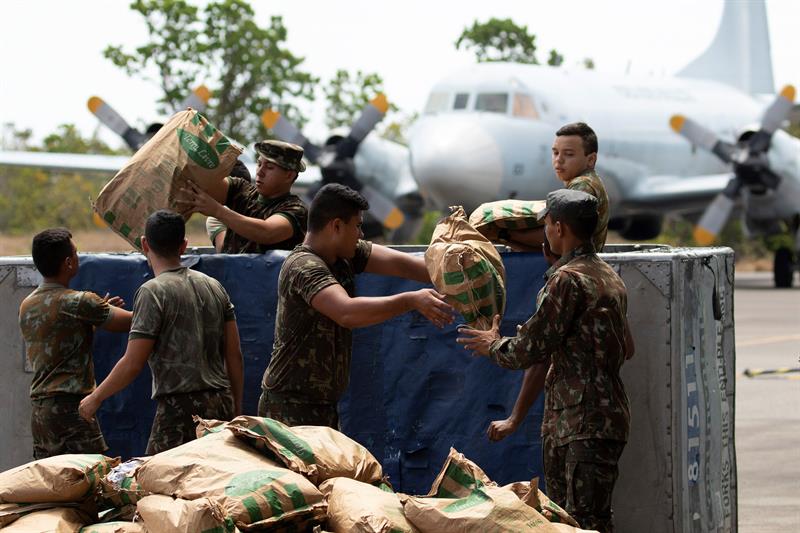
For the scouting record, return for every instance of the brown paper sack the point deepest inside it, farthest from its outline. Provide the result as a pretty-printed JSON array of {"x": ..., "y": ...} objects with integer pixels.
[
  {"x": 317, "y": 452},
  {"x": 467, "y": 268},
  {"x": 458, "y": 478},
  {"x": 115, "y": 527},
  {"x": 486, "y": 509},
  {"x": 187, "y": 147},
  {"x": 249, "y": 488},
  {"x": 119, "y": 487},
  {"x": 360, "y": 508},
  {"x": 530, "y": 493},
  {"x": 165, "y": 514},
  {"x": 491, "y": 217},
  {"x": 61, "y": 478},
  {"x": 9, "y": 512},
  {"x": 55, "y": 520},
  {"x": 207, "y": 426}
]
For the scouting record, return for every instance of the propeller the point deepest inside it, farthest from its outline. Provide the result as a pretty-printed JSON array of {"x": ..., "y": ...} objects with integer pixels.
[
  {"x": 197, "y": 99},
  {"x": 335, "y": 159},
  {"x": 747, "y": 157}
]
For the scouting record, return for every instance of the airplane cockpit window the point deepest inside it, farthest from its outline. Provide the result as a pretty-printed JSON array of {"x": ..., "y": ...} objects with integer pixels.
[
  {"x": 492, "y": 102},
  {"x": 437, "y": 102},
  {"x": 460, "y": 101},
  {"x": 523, "y": 107}
]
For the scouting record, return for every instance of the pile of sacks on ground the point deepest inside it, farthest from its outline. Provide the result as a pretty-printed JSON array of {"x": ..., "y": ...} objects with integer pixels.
[{"x": 256, "y": 474}]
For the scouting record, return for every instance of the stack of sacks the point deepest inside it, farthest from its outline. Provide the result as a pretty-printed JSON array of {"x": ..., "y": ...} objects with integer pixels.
[
  {"x": 53, "y": 494},
  {"x": 491, "y": 217},
  {"x": 119, "y": 491},
  {"x": 463, "y": 498},
  {"x": 219, "y": 481},
  {"x": 467, "y": 268}
]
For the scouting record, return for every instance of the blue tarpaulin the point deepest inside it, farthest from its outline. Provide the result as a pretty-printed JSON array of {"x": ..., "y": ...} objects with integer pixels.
[{"x": 413, "y": 391}]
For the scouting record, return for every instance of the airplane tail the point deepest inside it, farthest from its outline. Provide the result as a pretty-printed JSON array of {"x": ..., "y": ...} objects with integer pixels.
[{"x": 740, "y": 54}]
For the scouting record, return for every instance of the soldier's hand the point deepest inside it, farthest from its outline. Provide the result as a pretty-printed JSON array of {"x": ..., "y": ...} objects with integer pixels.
[
  {"x": 116, "y": 301},
  {"x": 88, "y": 407},
  {"x": 477, "y": 340},
  {"x": 500, "y": 429},
  {"x": 432, "y": 306},
  {"x": 196, "y": 200}
]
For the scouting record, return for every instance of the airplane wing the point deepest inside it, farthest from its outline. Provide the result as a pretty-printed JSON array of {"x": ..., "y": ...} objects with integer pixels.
[
  {"x": 674, "y": 193},
  {"x": 64, "y": 162}
]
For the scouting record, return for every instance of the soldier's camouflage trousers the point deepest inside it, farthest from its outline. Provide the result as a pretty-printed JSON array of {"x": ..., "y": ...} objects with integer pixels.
[
  {"x": 173, "y": 424},
  {"x": 580, "y": 477},
  {"x": 57, "y": 428},
  {"x": 297, "y": 413}
]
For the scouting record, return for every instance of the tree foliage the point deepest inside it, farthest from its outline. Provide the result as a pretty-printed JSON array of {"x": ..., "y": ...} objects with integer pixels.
[
  {"x": 346, "y": 95},
  {"x": 247, "y": 67},
  {"x": 499, "y": 40}
]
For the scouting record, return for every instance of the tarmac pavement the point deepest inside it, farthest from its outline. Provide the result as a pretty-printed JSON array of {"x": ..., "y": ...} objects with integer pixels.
[{"x": 767, "y": 322}]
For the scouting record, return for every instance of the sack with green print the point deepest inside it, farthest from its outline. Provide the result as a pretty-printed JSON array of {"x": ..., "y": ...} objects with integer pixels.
[
  {"x": 187, "y": 147},
  {"x": 120, "y": 488},
  {"x": 467, "y": 268},
  {"x": 530, "y": 493},
  {"x": 491, "y": 217},
  {"x": 361, "y": 508},
  {"x": 165, "y": 514},
  {"x": 250, "y": 489},
  {"x": 459, "y": 477},
  {"x": 317, "y": 452},
  {"x": 56, "y": 520},
  {"x": 119, "y": 526},
  {"x": 61, "y": 478}
]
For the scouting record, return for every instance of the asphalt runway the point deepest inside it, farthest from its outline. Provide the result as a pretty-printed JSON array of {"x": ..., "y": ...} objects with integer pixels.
[{"x": 767, "y": 323}]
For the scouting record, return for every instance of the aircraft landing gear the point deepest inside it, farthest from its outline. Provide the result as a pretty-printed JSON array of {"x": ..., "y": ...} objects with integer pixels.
[{"x": 783, "y": 268}]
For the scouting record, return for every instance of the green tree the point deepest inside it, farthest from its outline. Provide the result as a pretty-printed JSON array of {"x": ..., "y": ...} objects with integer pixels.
[
  {"x": 555, "y": 59},
  {"x": 247, "y": 67},
  {"x": 396, "y": 128},
  {"x": 499, "y": 40},
  {"x": 347, "y": 94}
]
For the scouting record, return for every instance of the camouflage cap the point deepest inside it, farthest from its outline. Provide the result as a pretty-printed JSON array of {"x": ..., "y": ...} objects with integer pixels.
[
  {"x": 567, "y": 204},
  {"x": 283, "y": 154}
]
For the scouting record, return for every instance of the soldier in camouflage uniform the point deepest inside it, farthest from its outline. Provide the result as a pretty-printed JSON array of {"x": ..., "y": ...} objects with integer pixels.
[
  {"x": 184, "y": 326},
  {"x": 260, "y": 217},
  {"x": 580, "y": 329},
  {"x": 310, "y": 365},
  {"x": 57, "y": 326}
]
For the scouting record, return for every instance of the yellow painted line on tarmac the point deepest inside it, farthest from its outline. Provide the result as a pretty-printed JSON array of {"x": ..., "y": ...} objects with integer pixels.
[{"x": 767, "y": 340}]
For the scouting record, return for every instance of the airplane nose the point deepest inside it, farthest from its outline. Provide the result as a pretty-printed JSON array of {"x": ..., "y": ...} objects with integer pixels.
[{"x": 456, "y": 162}]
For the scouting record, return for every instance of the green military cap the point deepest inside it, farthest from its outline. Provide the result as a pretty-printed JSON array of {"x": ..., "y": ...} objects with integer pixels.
[
  {"x": 283, "y": 154},
  {"x": 566, "y": 204}
]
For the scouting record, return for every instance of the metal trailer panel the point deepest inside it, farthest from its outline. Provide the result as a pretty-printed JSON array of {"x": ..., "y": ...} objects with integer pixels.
[{"x": 414, "y": 392}]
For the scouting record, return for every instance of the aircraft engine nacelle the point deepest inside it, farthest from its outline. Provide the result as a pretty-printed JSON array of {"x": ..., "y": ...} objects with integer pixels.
[{"x": 637, "y": 227}]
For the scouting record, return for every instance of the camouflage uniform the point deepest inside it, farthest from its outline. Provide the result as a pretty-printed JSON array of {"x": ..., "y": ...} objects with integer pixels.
[
  {"x": 57, "y": 325},
  {"x": 310, "y": 365},
  {"x": 243, "y": 197},
  {"x": 579, "y": 327},
  {"x": 590, "y": 183},
  {"x": 185, "y": 313}
]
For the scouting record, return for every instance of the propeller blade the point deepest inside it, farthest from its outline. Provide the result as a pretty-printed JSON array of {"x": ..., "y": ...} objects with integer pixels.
[
  {"x": 372, "y": 113},
  {"x": 284, "y": 130},
  {"x": 114, "y": 121},
  {"x": 382, "y": 208},
  {"x": 778, "y": 110},
  {"x": 197, "y": 100},
  {"x": 716, "y": 214},
  {"x": 701, "y": 136}
]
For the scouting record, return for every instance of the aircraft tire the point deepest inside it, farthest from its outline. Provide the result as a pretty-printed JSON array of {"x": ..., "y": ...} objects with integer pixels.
[{"x": 783, "y": 268}]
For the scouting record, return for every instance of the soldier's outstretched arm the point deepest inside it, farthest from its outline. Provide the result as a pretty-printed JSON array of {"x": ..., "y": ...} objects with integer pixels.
[
  {"x": 334, "y": 302},
  {"x": 120, "y": 320},
  {"x": 532, "y": 387},
  {"x": 234, "y": 365},
  {"x": 124, "y": 372},
  {"x": 388, "y": 262}
]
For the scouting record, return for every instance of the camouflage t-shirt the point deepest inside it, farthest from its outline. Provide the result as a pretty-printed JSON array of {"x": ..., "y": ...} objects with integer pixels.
[
  {"x": 57, "y": 325},
  {"x": 579, "y": 327},
  {"x": 311, "y": 354},
  {"x": 185, "y": 312},
  {"x": 243, "y": 197},
  {"x": 590, "y": 183}
]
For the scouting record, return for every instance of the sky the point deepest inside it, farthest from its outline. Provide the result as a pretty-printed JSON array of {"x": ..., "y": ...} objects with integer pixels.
[{"x": 51, "y": 60}]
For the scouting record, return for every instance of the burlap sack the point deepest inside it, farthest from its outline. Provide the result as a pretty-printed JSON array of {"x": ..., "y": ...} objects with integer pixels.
[
  {"x": 317, "y": 452},
  {"x": 186, "y": 147},
  {"x": 248, "y": 487},
  {"x": 485, "y": 509},
  {"x": 62, "y": 478},
  {"x": 120, "y": 488},
  {"x": 490, "y": 217},
  {"x": 529, "y": 492},
  {"x": 115, "y": 527},
  {"x": 55, "y": 520},
  {"x": 458, "y": 478},
  {"x": 467, "y": 268},
  {"x": 360, "y": 508},
  {"x": 165, "y": 514}
]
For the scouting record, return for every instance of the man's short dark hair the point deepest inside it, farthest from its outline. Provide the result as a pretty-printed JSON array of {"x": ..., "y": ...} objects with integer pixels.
[
  {"x": 582, "y": 130},
  {"x": 165, "y": 231},
  {"x": 333, "y": 201},
  {"x": 49, "y": 249},
  {"x": 583, "y": 227},
  {"x": 240, "y": 170}
]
